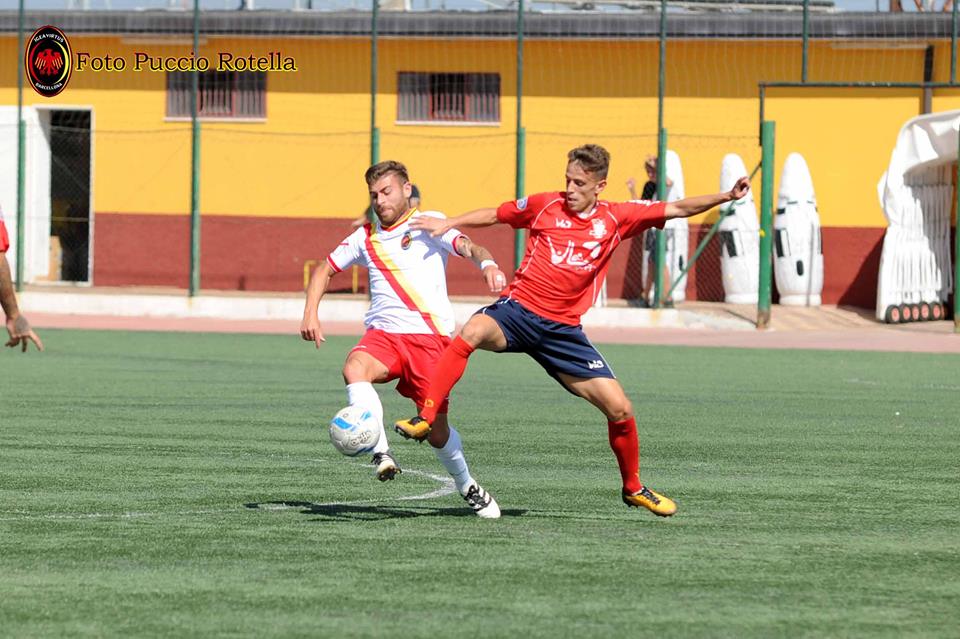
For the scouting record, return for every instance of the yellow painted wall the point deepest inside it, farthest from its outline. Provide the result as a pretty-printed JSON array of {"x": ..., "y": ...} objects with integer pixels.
[{"x": 306, "y": 159}]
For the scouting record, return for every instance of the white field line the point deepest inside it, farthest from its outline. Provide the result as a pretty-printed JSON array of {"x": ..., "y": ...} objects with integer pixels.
[
  {"x": 869, "y": 382},
  {"x": 447, "y": 487}
]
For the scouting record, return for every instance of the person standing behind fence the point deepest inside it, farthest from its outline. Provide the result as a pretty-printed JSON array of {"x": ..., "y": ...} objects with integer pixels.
[
  {"x": 650, "y": 237},
  {"x": 17, "y": 325}
]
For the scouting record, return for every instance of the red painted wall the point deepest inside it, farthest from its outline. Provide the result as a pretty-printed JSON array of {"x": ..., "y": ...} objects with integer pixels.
[
  {"x": 244, "y": 253},
  {"x": 268, "y": 254},
  {"x": 851, "y": 265}
]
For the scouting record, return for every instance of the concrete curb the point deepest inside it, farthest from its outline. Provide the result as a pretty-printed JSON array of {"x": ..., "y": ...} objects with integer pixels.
[{"x": 332, "y": 309}]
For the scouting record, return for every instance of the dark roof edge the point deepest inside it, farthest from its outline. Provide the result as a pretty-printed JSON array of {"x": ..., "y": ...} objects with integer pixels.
[{"x": 493, "y": 24}]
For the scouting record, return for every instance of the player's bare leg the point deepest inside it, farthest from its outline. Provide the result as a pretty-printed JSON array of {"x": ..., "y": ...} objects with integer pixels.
[
  {"x": 481, "y": 332},
  {"x": 449, "y": 449},
  {"x": 360, "y": 372},
  {"x": 607, "y": 394}
]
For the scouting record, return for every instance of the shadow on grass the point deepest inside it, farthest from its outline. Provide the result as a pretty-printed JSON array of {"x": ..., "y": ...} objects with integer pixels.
[{"x": 354, "y": 512}]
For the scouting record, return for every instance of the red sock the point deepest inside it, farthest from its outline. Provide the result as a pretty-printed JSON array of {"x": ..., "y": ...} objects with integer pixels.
[
  {"x": 626, "y": 446},
  {"x": 449, "y": 370}
]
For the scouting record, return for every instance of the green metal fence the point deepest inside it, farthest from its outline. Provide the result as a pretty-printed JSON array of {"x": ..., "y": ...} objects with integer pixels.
[{"x": 667, "y": 13}]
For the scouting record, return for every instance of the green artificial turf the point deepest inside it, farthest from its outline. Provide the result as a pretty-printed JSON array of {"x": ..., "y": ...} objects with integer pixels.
[{"x": 183, "y": 485}]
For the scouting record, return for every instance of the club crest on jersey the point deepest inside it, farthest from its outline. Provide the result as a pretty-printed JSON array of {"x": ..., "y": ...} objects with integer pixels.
[
  {"x": 406, "y": 240},
  {"x": 599, "y": 229},
  {"x": 522, "y": 203}
]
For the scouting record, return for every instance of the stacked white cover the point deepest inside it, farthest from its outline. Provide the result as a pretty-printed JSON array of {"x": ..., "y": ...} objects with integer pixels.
[
  {"x": 739, "y": 238},
  {"x": 917, "y": 196},
  {"x": 798, "y": 250}
]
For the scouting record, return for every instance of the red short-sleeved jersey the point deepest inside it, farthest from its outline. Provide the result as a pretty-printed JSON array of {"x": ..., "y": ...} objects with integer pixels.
[
  {"x": 568, "y": 253},
  {"x": 4, "y": 238}
]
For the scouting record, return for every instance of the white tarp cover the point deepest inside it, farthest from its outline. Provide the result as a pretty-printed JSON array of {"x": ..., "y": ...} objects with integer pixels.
[
  {"x": 916, "y": 195},
  {"x": 923, "y": 141}
]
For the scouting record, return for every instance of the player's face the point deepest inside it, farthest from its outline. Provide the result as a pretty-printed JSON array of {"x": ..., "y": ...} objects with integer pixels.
[
  {"x": 583, "y": 188},
  {"x": 389, "y": 197}
]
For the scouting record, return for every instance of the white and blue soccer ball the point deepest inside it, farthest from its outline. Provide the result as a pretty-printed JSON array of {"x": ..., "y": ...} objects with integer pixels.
[{"x": 354, "y": 431}]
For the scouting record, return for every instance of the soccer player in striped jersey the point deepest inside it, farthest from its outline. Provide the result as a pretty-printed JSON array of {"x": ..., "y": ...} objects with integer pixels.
[
  {"x": 572, "y": 236},
  {"x": 410, "y": 317}
]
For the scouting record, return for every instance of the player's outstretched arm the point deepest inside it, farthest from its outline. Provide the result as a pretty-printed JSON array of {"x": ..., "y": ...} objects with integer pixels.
[
  {"x": 693, "y": 205},
  {"x": 483, "y": 258},
  {"x": 17, "y": 325},
  {"x": 438, "y": 226},
  {"x": 310, "y": 326}
]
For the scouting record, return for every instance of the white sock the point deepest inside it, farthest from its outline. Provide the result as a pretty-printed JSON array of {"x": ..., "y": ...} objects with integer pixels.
[
  {"x": 364, "y": 395},
  {"x": 452, "y": 458}
]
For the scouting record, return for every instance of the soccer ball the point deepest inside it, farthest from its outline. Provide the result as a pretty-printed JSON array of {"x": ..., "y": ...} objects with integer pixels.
[{"x": 354, "y": 431}]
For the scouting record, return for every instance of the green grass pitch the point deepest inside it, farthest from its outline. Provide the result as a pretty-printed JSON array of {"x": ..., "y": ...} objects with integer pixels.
[{"x": 183, "y": 485}]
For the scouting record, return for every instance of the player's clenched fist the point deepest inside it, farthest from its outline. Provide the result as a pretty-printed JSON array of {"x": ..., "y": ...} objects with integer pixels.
[
  {"x": 741, "y": 188},
  {"x": 495, "y": 278}
]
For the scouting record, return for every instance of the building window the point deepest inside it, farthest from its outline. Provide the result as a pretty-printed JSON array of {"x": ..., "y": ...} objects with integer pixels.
[
  {"x": 448, "y": 97},
  {"x": 220, "y": 94}
]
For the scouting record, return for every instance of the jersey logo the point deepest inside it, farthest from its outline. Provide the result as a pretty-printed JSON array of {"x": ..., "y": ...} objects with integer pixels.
[
  {"x": 572, "y": 255},
  {"x": 559, "y": 257},
  {"x": 599, "y": 229},
  {"x": 406, "y": 240},
  {"x": 595, "y": 364},
  {"x": 522, "y": 203},
  {"x": 564, "y": 224}
]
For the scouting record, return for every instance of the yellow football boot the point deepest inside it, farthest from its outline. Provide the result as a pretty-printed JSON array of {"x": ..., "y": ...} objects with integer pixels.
[
  {"x": 416, "y": 428},
  {"x": 654, "y": 502}
]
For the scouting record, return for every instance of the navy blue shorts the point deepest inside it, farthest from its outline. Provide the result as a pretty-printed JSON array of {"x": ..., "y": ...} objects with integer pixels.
[{"x": 558, "y": 347}]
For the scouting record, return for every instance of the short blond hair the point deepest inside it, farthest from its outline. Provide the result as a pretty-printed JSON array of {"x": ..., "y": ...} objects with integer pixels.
[
  {"x": 592, "y": 158},
  {"x": 386, "y": 167}
]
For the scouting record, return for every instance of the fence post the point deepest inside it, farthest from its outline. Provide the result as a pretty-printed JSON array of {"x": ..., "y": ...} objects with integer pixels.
[
  {"x": 659, "y": 286},
  {"x": 767, "y": 136},
  {"x": 195, "y": 162},
  {"x": 21, "y": 153},
  {"x": 374, "y": 61},
  {"x": 661, "y": 244},
  {"x": 521, "y": 140},
  {"x": 806, "y": 41},
  {"x": 956, "y": 250},
  {"x": 953, "y": 44}
]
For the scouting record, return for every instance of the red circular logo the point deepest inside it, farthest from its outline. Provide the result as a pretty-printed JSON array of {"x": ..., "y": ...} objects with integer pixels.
[{"x": 48, "y": 61}]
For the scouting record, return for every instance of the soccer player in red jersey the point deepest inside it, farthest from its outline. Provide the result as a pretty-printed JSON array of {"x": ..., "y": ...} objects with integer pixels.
[
  {"x": 572, "y": 236},
  {"x": 17, "y": 325}
]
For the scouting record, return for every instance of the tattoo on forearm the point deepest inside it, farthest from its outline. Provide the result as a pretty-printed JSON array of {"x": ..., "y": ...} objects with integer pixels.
[
  {"x": 480, "y": 254},
  {"x": 465, "y": 246}
]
